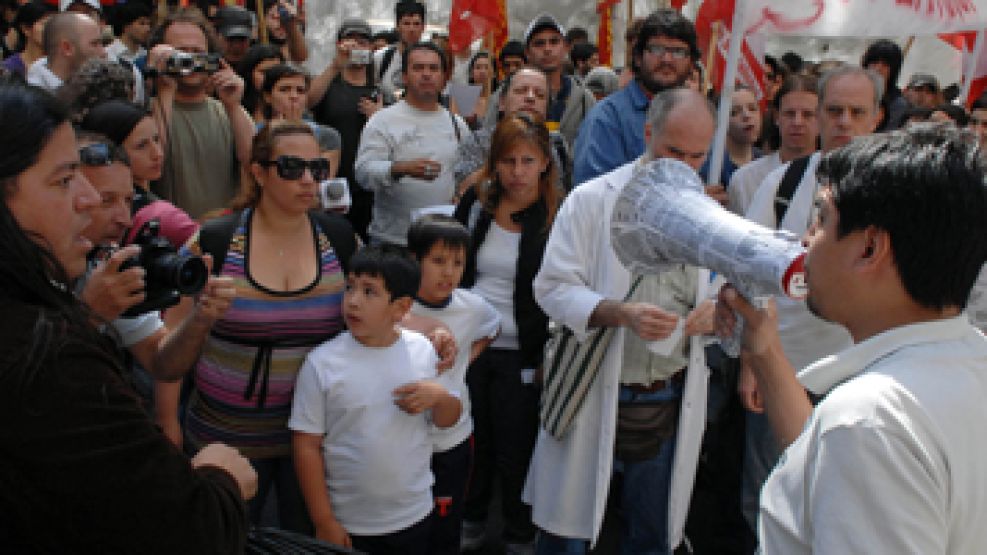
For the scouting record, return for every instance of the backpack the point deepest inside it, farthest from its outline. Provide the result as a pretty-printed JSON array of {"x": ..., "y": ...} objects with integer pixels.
[{"x": 216, "y": 234}]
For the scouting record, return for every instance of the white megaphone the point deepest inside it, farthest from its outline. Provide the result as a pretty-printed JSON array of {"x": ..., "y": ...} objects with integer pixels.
[{"x": 663, "y": 217}]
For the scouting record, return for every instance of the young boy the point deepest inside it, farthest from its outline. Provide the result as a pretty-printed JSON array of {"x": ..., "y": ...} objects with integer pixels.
[
  {"x": 440, "y": 244},
  {"x": 361, "y": 411}
]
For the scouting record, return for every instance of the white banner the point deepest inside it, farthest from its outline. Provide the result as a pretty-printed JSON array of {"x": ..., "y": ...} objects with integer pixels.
[{"x": 864, "y": 18}]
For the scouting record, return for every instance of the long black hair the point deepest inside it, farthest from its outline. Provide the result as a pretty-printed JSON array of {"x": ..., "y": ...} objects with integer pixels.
[
  {"x": 255, "y": 55},
  {"x": 29, "y": 271}
]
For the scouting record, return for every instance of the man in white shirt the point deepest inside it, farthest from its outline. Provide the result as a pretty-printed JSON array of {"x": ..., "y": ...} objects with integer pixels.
[
  {"x": 409, "y": 23},
  {"x": 849, "y": 106},
  {"x": 132, "y": 26},
  {"x": 581, "y": 285},
  {"x": 69, "y": 39},
  {"x": 795, "y": 108},
  {"x": 894, "y": 458},
  {"x": 408, "y": 150}
]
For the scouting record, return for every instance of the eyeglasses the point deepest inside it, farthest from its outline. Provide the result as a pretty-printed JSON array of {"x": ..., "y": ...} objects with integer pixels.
[
  {"x": 293, "y": 167},
  {"x": 101, "y": 154},
  {"x": 677, "y": 52}
]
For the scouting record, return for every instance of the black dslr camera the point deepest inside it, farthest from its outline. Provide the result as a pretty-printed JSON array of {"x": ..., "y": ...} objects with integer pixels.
[
  {"x": 167, "y": 274},
  {"x": 181, "y": 64}
]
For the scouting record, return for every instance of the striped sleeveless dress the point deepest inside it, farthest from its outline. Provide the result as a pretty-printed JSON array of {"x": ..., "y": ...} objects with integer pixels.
[{"x": 245, "y": 378}]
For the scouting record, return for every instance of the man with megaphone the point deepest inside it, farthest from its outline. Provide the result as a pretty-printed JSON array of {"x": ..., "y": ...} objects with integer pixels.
[
  {"x": 894, "y": 457},
  {"x": 584, "y": 287}
]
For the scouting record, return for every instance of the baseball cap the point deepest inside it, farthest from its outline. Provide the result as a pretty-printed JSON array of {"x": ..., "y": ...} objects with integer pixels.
[
  {"x": 64, "y": 4},
  {"x": 354, "y": 26},
  {"x": 234, "y": 22},
  {"x": 543, "y": 21},
  {"x": 923, "y": 80}
]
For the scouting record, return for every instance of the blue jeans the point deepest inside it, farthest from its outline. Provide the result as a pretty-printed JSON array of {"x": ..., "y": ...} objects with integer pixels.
[{"x": 644, "y": 496}]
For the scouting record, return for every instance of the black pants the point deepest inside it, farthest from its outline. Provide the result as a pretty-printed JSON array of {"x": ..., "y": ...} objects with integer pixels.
[
  {"x": 505, "y": 426},
  {"x": 413, "y": 540},
  {"x": 452, "y": 470}
]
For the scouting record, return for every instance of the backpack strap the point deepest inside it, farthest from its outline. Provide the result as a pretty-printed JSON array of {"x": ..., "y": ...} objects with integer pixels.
[
  {"x": 385, "y": 61},
  {"x": 215, "y": 236},
  {"x": 340, "y": 234},
  {"x": 786, "y": 189},
  {"x": 455, "y": 126}
]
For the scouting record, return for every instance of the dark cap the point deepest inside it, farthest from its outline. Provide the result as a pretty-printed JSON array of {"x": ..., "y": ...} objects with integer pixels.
[
  {"x": 234, "y": 22},
  {"x": 922, "y": 81},
  {"x": 543, "y": 21},
  {"x": 354, "y": 27}
]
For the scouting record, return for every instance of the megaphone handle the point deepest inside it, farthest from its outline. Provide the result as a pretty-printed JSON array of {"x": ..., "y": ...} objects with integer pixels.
[{"x": 731, "y": 345}]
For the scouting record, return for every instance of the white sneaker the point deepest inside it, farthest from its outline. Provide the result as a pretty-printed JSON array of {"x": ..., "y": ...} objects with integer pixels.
[{"x": 474, "y": 535}]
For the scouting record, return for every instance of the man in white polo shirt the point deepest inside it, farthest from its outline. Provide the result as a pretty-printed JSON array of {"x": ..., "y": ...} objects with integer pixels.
[{"x": 894, "y": 457}]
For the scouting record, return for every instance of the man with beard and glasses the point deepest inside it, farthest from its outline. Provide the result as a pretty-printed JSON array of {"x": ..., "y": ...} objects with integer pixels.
[{"x": 613, "y": 132}]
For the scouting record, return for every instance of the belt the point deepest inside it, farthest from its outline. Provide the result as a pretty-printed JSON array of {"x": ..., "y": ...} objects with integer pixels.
[{"x": 657, "y": 385}]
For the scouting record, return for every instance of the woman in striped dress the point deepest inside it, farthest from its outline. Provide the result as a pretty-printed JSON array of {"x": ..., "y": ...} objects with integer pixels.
[{"x": 289, "y": 287}]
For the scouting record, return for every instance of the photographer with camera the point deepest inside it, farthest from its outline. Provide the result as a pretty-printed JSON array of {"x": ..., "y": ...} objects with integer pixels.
[
  {"x": 343, "y": 97},
  {"x": 115, "y": 287},
  {"x": 205, "y": 139}
]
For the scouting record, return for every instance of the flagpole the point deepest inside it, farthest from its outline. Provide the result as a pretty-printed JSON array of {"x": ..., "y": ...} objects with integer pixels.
[
  {"x": 723, "y": 111},
  {"x": 971, "y": 67}
]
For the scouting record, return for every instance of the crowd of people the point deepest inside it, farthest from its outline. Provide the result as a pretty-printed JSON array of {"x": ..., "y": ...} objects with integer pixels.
[{"x": 205, "y": 336}]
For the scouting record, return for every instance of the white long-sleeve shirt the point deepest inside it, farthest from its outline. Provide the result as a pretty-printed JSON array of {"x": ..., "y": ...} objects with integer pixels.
[{"x": 399, "y": 133}]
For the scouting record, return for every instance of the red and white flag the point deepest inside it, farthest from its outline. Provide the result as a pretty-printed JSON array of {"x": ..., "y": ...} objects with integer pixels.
[
  {"x": 864, "y": 18},
  {"x": 715, "y": 17},
  {"x": 966, "y": 42}
]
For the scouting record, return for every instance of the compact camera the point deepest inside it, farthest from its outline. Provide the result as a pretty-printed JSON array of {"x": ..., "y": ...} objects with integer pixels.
[
  {"x": 181, "y": 64},
  {"x": 334, "y": 195},
  {"x": 359, "y": 57},
  {"x": 167, "y": 274}
]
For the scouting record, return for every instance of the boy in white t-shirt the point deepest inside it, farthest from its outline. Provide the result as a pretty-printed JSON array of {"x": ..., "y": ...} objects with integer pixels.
[
  {"x": 361, "y": 413},
  {"x": 440, "y": 244}
]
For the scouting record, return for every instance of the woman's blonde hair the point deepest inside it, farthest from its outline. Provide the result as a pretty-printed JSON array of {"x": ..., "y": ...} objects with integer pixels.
[
  {"x": 261, "y": 151},
  {"x": 512, "y": 130}
]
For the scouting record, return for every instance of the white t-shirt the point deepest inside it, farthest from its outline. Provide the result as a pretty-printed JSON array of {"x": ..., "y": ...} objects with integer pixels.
[
  {"x": 470, "y": 318},
  {"x": 894, "y": 459},
  {"x": 376, "y": 456},
  {"x": 745, "y": 181},
  {"x": 400, "y": 133},
  {"x": 804, "y": 337},
  {"x": 496, "y": 270}
]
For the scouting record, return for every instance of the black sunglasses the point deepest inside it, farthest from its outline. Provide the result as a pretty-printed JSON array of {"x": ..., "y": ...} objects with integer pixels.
[
  {"x": 293, "y": 167},
  {"x": 101, "y": 154}
]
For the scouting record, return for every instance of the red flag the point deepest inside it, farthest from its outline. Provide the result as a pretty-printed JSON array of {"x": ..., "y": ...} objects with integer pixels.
[
  {"x": 473, "y": 19},
  {"x": 750, "y": 69},
  {"x": 604, "y": 37}
]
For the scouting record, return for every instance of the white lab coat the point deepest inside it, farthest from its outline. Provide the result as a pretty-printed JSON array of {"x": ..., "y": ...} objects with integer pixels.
[{"x": 568, "y": 480}]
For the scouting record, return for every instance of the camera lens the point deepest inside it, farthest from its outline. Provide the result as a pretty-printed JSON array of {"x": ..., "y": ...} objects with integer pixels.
[{"x": 185, "y": 274}]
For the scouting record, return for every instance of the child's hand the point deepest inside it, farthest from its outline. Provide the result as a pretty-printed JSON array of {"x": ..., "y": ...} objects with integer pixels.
[
  {"x": 445, "y": 346},
  {"x": 416, "y": 397},
  {"x": 333, "y": 532}
]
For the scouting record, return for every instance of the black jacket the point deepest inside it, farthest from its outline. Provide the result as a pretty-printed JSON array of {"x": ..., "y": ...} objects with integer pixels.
[{"x": 532, "y": 322}]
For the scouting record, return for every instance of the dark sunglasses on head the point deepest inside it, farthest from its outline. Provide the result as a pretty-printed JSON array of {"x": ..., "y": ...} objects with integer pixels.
[
  {"x": 101, "y": 154},
  {"x": 293, "y": 167}
]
